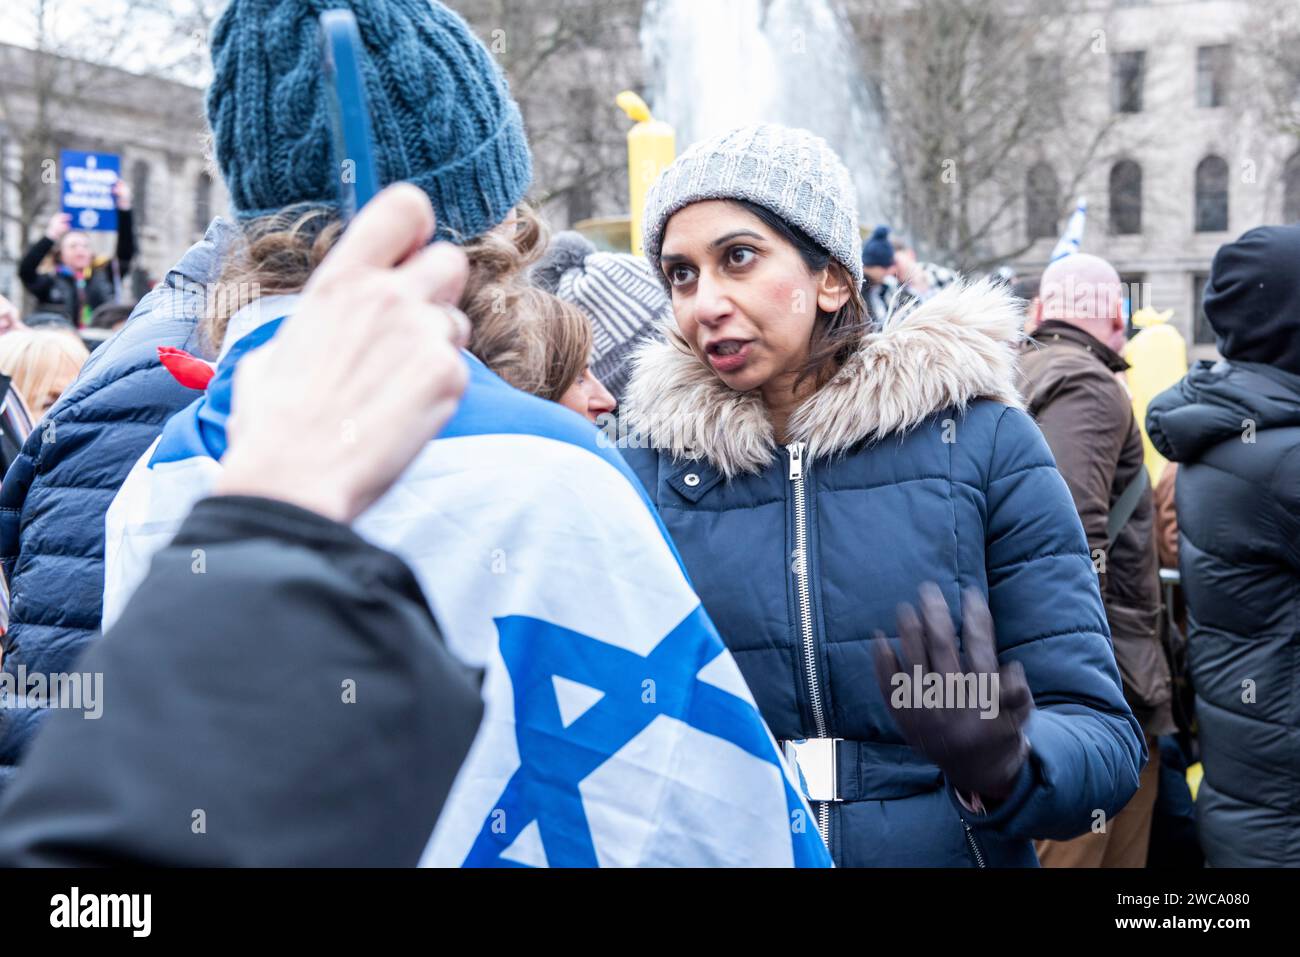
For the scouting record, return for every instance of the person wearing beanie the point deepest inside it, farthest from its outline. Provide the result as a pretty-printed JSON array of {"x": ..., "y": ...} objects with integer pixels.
[
  {"x": 515, "y": 516},
  {"x": 877, "y": 267},
  {"x": 1233, "y": 428},
  {"x": 818, "y": 477},
  {"x": 878, "y": 254},
  {"x": 616, "y": 291},
  {"x": 443, "y": 119}
]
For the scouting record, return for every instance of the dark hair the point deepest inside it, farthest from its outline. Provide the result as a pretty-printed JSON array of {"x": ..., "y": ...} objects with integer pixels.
[
  {"x": 110, "y": 314},
  {"x": 836, "y": 335}
]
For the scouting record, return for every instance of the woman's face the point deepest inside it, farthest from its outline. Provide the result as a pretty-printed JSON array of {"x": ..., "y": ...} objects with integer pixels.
[
  {"x": 75, "y": 252},
  {"x": 744, "y": 299},
  {"x": 588, "y": 397},
  {"x": 40, "y": 404}
]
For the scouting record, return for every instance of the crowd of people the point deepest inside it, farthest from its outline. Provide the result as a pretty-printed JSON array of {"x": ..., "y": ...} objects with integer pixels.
[
  {"x": 870, "y": 471},
  {"x": 80, "y": 300}
]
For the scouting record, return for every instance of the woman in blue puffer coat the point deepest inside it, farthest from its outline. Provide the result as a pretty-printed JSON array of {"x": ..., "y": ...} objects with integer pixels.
[{"x": 814, "y": 474}]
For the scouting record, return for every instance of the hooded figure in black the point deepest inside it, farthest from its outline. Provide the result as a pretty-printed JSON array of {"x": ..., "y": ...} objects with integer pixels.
[{"x": 1234, "y": 428}]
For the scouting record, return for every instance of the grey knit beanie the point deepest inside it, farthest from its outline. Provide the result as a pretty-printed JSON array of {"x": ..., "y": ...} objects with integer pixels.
[
  {"x": 616, "y": 291},
  {"x": 791, "y": 172}
]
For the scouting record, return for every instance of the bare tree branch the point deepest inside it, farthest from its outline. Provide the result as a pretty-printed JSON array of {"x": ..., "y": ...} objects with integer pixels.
[{"x": 965, "y": 122}]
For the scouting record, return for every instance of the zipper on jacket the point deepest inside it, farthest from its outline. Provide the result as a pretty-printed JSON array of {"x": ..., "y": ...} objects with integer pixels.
[
  {"x": 804, "y": 595},
  {"x": 974, "y": 848}
]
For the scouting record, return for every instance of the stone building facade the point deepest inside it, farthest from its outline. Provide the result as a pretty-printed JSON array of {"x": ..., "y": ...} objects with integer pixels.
[
  {"x": 1193, "y": 160},
  {"x": 157, "y": 128}
]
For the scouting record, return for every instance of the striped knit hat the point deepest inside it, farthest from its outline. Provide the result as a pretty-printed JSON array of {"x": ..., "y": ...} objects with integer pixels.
[
  {"x": 619, "y": 294},
  {"x": 441, "y": 113},
  {"x": 791, "y": 172}
]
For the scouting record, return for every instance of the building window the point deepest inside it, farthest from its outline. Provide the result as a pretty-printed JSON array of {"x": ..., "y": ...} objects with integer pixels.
[
  {"x": 1212, "y": 68},
  {"x": 1128, "y": 72},
  {"x": 1291, "y": 190},
  {"x": 1212, "y": 195},
  {"x": 1042, "y": 198},
  {"x": 1202, "y": 334},
  {"x": 202, "y": 203},
  {"x": 1125, "y": 198},
  {"x": 140, "y": 192}
]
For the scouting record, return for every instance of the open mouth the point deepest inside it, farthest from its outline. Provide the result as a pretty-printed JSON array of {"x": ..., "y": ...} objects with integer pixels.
[
  {"x": 725, "y": 347},
  {"x": 728, "y": 355}
]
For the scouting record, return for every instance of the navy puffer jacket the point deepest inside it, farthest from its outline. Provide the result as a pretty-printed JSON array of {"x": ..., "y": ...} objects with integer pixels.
[
  {"x": 1234, "y": 430},
  {"x": 914, "y": 464},
  {"x": 54, "y": 497}
]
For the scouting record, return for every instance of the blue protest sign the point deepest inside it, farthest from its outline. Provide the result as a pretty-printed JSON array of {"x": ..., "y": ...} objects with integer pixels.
[{"x": 88, "y": 180}]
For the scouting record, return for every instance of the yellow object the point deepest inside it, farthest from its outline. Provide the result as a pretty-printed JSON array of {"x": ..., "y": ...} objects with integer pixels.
[
  {"x": 651, "y": 146},
  {"x": 1194, "y": 775},
  {"x": 1157, "y": 358},
  {"x": 1147, "y": 316}
]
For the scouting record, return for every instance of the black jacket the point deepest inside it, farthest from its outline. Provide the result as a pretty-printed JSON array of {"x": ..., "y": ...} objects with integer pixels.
[
  {"x": 57, "y": 291},
  {"x": 275, "y": 694},
  {"x": 1234, "y": 430}
]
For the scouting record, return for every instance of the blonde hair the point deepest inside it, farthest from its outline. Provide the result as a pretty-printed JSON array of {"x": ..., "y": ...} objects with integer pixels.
[
  {"x": 530, "y": 338},
  {"x": 41, "y": 361}
]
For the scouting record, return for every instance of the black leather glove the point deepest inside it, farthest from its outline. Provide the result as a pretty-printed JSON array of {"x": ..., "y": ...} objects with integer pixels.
[{"x": 978, "y": 752}]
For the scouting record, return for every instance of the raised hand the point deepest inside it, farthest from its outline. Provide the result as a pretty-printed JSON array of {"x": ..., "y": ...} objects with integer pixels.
[
  {"x": 978, "y": 743},
  {"x": 59, "y": 226},
  {"x": 122, "y": 194}
]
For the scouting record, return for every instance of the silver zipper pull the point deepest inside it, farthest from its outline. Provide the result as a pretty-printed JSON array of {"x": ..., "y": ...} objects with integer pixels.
[{"x": 796, "y": 460}]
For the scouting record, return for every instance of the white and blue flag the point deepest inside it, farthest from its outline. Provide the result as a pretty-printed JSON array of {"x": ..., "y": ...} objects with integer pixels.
[
  {"x": 1072, "y": 239},
  {"x": 617, "y": 728}
]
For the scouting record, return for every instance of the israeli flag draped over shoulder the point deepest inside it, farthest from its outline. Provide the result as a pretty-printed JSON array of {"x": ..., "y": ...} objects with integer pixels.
[{"x": 617, "y": 730}]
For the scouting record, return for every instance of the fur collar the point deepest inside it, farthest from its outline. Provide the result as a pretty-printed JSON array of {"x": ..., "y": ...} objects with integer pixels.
[{"x": 958, "y": 346}]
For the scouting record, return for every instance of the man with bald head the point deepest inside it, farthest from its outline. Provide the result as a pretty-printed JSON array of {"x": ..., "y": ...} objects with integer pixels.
[{"x": 1070, "y": 387}]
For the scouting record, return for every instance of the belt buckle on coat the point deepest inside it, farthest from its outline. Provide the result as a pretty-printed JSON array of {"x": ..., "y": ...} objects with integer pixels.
[{"x": 815, "y": 762}]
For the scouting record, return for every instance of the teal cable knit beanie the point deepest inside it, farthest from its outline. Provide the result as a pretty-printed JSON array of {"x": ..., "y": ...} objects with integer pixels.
[{"x": 441, "y": 112}]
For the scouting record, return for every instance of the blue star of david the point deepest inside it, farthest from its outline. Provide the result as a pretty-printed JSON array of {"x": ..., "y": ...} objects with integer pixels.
[{"x": 554, "y": 759}]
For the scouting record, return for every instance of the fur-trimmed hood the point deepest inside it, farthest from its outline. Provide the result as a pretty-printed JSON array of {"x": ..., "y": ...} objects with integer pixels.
[{"x": 959, "y": 346}]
